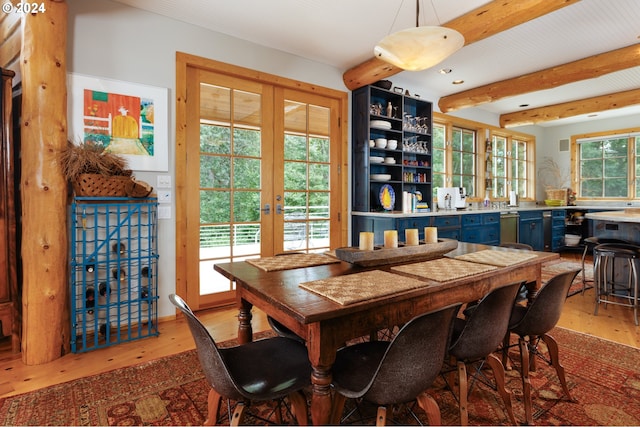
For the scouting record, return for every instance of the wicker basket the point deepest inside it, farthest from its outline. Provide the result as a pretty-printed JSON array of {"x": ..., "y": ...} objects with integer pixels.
[
  {"x": 136, "y": 188},
  {"x": 558, "y": 194},
  {"x": 96, "y": 185}
]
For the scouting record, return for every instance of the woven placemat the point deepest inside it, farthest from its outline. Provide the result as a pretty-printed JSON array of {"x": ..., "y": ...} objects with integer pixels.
[
  {"x": 291, "y": 261},
  {"x": 499, "y": 258},
  {"x": 357, "y": 287},
  {"x": 443, "y": 269}
]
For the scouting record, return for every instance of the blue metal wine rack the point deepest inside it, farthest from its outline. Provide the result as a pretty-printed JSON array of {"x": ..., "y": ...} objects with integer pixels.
[{"x": 113, "y": 280}]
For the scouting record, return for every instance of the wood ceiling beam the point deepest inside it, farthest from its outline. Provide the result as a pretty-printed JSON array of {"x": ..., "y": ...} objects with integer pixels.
[
  {"x": 480, "y": 23},
  {"x": 596, "y": 104},
  {"x": 582, "y": 69}
]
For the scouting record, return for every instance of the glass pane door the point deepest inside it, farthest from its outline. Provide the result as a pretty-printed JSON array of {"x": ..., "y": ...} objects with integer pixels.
[
  {"x": 306, "y": 163},
  {"x": 230, "y": 181}
]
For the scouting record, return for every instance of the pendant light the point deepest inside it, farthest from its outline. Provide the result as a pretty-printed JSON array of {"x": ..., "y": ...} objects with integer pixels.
[{"x": 419, "y": 48}]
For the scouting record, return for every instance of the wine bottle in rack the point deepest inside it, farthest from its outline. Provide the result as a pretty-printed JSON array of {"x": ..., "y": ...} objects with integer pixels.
[
  {"x": 104, "y": 289},
  {"x": 119, "y": 248},
  {"x": 119, "y": 274},
  {"x": 91, "y": 266},
  {"x": 90, "y": 299}
]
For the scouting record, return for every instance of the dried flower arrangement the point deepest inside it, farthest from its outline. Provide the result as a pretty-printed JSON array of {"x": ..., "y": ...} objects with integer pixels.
[
  {"x": 554, "y": 180},
  {"x": 87, "y": 157},
  {"x": 95, "y": 172},
  {"x": 551, "y": 176}
]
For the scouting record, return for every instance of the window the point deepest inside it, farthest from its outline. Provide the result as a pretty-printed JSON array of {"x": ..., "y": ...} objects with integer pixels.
[
  {"x": 512, "y": 166},
  {"x": 463, "y": 157},
  {"x": 608, "y": 166}
]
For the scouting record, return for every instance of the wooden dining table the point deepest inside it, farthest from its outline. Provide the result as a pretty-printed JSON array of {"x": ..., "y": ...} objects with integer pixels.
[{"x": 327, "y": 325}]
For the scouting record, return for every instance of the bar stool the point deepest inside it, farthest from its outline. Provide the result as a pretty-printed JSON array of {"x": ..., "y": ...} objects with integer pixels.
[
  {"x": 606, "y": 285},
  {"x": 589, "y": 244}
]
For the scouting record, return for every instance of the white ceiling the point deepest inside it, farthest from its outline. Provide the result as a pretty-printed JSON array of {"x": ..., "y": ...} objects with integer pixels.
[{"x": 342, "y": 33}]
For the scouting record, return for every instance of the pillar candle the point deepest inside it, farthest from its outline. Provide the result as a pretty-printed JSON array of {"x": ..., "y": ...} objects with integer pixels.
[
  {"x": 431, "y": 235},
  {"x": 411, "y": 237},
  {"x": 366, "y": 241},
  {"x": 390, "y": 239}
]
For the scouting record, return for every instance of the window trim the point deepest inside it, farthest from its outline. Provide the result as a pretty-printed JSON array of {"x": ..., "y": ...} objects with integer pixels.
[
  {"x": 484, "y": 132},
  {"x": 575, "y": 163}
]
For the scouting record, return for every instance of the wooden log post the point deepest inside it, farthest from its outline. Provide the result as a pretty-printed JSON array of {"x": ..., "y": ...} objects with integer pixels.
[{"x": 45, "y": 312}]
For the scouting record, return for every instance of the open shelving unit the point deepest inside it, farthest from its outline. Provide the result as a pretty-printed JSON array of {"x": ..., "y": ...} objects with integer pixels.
[{"x": 410, "y": 123}]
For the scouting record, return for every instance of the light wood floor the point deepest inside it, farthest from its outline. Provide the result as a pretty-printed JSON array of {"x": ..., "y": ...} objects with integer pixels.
[{"x": 613, "y": 323}]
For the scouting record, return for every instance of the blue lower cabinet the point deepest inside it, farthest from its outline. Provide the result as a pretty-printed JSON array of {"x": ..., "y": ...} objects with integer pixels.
[
  {"x": 416, "y": 222},
  {"x": 377, "y": 225},
  {"x": 531, "y": 229},
  {"x": 448, "y": 226},
  {"x": 481, "y": 228}
]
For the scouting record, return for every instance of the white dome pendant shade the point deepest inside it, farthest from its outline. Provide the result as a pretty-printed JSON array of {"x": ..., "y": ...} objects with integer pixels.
[{"x": 419, "y": 48}]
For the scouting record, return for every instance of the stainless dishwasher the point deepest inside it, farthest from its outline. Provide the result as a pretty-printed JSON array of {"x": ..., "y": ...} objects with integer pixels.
[{"x": 509, "y": 227}]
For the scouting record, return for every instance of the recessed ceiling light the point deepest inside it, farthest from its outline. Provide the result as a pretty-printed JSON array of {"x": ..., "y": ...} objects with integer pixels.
[
  {"x": 523, "y": 105},
  {"x": 457, "y": 82},
  {"x": 445, "y": 70}
]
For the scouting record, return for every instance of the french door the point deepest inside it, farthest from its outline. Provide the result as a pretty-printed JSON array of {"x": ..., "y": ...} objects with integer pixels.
[{"x": 262, "y": 176}]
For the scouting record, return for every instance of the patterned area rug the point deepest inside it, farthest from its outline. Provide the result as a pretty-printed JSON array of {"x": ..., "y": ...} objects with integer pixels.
[
  {"x": 555, "y": 267},
  {"x": 603, "y": 377}
]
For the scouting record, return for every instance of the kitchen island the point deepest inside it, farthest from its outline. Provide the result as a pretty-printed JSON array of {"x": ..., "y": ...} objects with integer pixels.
[{"x": 623, "y": 224}]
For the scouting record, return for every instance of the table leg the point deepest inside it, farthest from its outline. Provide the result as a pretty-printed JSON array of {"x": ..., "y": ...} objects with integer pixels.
[
  {"x": 321, "y": 395},
  {"x": 245, "y": 330}
]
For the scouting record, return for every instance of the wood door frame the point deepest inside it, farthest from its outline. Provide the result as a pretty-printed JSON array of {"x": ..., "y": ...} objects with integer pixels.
[{"x": 185, "y": 64}]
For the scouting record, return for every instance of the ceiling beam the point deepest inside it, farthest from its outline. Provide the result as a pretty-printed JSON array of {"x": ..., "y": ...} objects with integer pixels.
[
  {"x": 596, "y": 104},
  {"x": 582, "y": 69},
  {"x": 483, "y": 22}
]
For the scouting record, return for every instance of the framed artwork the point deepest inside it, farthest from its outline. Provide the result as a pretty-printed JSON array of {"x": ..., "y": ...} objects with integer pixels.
[{"x": 128, "y": 119}]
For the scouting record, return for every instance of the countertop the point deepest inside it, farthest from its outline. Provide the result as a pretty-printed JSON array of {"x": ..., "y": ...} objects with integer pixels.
[
  {"x": 508, "y": 209},
  {"x": 617, "y": 216}
]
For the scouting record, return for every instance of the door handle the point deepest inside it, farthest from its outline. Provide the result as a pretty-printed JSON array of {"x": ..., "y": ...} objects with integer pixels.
[
  {"x": 266, "y": 209},
  {"x": 279, "y": 209}
]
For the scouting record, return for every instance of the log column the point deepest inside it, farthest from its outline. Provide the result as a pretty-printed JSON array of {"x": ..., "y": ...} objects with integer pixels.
[{"x": 45, "y": 325}]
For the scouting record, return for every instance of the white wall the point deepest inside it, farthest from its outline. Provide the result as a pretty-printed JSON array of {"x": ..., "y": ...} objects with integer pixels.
[{"x": 111, "y": 40}]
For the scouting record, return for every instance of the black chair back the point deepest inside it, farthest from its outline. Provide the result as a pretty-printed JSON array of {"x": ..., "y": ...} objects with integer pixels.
[
  {"x": 210, "y": 358},
  {"x": 544, "y": 312},
  {"x": 484, "y": 330},
  {"x": 413, "y": 359}
]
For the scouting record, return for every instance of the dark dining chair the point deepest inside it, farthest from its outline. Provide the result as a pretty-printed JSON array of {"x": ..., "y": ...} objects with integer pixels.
[
  {"x": 263, "y": 370},
  {"x": 524, "y": 288},
  {"x": 532, "y": 324},
  {"x": 395, "y": 372},
  {"x": 473, "y": 342}
]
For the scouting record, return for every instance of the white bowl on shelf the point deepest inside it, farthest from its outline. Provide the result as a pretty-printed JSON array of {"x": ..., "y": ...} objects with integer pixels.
[
  {"x": 380, "y": 176},
  {"x": 372, "y": 143},
  {"x": 390, "y": 160},
  {"x": 381, "y": 143},
  {"x": 392, "y": 144},
  {"x": 571, "y": 239},
  {"x": 380, "y": 124},
  {"x": 376, "y": 159}
]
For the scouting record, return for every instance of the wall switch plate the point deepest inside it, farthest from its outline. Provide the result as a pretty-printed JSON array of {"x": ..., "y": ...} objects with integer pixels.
[
  {"x": 164, "y": 196},
  {"x": 164, "y": 181},
  {"x": 164, "y": 212}
]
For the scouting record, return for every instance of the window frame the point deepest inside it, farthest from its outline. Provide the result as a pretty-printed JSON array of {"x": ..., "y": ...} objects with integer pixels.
[
  {"x": 633, "y": 151},
  {"x": 484, "y": 135}
]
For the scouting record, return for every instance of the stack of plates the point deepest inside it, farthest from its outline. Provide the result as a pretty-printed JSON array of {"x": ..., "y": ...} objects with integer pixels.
[
  {"x": 380, "y": 176},
  {"x": 380, "y": 124},
  {"x": 376, "y": 159}
]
